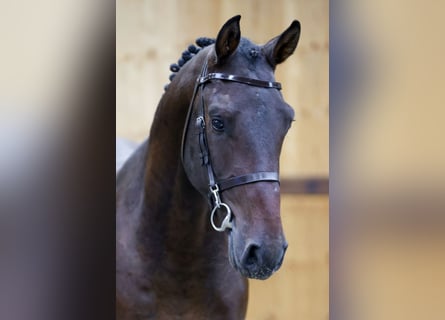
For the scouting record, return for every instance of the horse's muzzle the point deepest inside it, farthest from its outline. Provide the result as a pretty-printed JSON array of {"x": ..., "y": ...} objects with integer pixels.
[{"x": 261, "y": 261}]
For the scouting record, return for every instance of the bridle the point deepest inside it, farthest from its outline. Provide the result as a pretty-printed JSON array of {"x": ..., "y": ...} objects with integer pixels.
[{"x": 217, "y": 186}]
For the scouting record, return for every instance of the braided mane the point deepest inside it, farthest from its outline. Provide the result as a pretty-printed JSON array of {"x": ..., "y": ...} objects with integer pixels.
[{"x": 188, "y": 54}]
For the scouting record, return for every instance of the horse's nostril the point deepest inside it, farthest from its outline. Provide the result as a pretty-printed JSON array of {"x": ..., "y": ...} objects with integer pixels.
[{"x": 251, "y": 255}]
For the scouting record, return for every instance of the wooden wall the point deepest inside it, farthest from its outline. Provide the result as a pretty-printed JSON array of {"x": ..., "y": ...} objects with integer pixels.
[{"x": 152, "y": 34}]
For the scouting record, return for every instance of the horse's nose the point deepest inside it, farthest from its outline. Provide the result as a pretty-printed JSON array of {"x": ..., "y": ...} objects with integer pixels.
[
  {"x": 251, "y": 257},
  {"x": 260, "y": 262}
]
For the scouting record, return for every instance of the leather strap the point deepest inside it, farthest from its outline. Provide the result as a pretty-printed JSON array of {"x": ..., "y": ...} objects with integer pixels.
[
  {"x": 196, "y": 88},
  {"x": 202, "y": 139},
  {"x": 248, "y": 178},
  {"x": 239, "y": 79}
]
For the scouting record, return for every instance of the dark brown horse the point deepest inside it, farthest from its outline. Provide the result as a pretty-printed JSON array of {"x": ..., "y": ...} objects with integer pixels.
[{"x": 216, "y": 139}]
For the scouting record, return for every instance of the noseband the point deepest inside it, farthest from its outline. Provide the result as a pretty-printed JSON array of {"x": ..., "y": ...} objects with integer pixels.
[{"x": 217, "y": 186}]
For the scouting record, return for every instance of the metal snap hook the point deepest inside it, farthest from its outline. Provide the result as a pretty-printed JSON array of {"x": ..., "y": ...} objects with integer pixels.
[
  {"x": 200, "y": 122},
  {"x": 227, "y": 223}
]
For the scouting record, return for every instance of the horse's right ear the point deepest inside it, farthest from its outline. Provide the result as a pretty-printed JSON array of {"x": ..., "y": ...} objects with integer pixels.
[
  {"x": 228, "y": 39},
  {"x": 280, "y": 48}
]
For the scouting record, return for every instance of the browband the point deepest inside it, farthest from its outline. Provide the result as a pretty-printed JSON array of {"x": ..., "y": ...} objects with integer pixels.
[{"x": 239, "y": 79}]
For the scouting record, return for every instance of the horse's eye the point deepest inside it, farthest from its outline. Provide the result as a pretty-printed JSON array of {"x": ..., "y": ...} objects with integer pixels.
[{"x": 218, "y": 124}]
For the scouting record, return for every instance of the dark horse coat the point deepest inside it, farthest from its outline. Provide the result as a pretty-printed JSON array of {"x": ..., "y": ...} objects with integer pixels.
[{"x": 170, "y": 263}]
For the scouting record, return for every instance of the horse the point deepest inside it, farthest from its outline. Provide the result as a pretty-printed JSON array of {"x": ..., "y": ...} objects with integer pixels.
[{"x": 198, "y": 202}]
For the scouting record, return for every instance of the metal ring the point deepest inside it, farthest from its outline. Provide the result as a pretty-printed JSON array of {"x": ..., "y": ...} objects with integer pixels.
[{"x": 226, "y": 224}]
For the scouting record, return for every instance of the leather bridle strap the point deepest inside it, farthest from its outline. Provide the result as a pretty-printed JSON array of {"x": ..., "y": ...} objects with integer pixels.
[
  {"x": 239, "y": 79},
  {"x": 248, "y": 178},
  {"x": 215, "y": 187},
  {"x": 204, "y": 148}
]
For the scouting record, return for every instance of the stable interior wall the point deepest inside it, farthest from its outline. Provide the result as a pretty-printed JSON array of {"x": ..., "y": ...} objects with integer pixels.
[{"x": 152, "y": 34}]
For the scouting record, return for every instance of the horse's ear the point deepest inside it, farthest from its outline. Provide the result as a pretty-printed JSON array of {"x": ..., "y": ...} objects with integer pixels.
[
  {"x": 281, "y": 47},
  {"x": 228, "y": 38}
]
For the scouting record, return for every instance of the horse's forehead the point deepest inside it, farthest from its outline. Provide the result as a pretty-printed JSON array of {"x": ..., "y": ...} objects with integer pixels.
[
  {"x": 221, "y": 97},
  {"x": 231, "y": 97}
]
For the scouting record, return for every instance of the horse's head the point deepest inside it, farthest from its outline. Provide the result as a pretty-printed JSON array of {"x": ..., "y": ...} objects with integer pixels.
[{"x": 242, "y": 124}]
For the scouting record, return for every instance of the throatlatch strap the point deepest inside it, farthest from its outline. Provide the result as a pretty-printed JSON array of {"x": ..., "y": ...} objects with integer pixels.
[{"x": 248, "y": 178}]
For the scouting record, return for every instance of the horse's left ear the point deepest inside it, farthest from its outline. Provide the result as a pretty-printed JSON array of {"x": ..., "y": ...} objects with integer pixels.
[
  {"x": 282, "y": 47},
  {"x": 228, "y": 39}
]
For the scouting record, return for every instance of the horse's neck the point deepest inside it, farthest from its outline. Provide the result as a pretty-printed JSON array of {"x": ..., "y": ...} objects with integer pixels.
[{"x": 174, "y": 214}]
